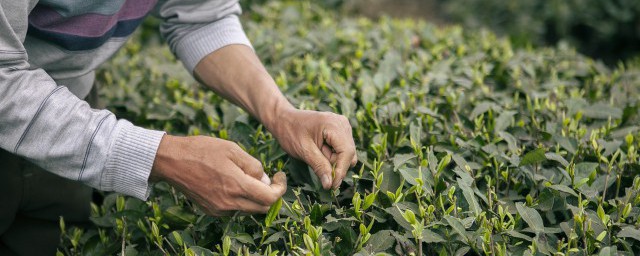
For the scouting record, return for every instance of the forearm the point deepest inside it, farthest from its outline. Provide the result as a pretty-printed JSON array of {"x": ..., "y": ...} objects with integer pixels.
[
  {"x": 52, "y": 128},
  {"x": 236, "y": 73}
]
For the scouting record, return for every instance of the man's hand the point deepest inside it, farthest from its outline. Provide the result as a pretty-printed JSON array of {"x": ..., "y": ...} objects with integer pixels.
[
  {"x": 322, "y": 139},
  {"x": 217, "y": 174}
]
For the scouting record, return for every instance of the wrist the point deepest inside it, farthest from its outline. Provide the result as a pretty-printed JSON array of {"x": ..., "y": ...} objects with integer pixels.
[
  {"x": 162, "y": 163},
  {"x": 276, "y": 115}
]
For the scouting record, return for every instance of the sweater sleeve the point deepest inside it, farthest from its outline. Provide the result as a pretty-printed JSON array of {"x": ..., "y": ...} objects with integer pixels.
[
  {"x": 48, "y": 125},
  {"x": 193, "y": 29}
]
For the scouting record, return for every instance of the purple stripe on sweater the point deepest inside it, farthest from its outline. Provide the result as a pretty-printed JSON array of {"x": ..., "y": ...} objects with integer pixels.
[{"x": 87, "y": 25}]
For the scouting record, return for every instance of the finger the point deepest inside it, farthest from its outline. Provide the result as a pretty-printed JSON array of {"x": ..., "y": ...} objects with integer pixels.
[
  {"x": 328, "y": 153},
  {"x": 204, "y": 205},
  {"x": 250, "y": 165},
  {"x": 349, "y": 131},
  {"x": 266, "y": 194},
  {"x": 319, "y": 163},
  {"x": 250, "y": 206},
  {"x": 342, "y": 165},
  {"x": 219, "y": 213},
  {"x": 345, "y": 152},
  {"x": 354, "y": 161}
]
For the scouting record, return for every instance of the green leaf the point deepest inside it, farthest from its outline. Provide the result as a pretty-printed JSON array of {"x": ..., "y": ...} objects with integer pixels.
[
  {"x": 226, "y": 245},
  {"x": 200, "y": 251},
  {"x": 391, "y": 180},
  {"x": 243, "y": 238},
  {"x": 400, "y": 159},
  {"x": 368, "y": 200},
  {"x": 411, "y": 174},
  {"x": 461, "y": 162},
  {"x": 608, "y": 251},
  {"x": 429, "y": 236},
  {"x": 481, "y": 108},
  {"x": 557, "y": 158},
  {"x": 397, "y": 214},
  {"x": 274, "y": 237},
  {"x": 602, "y": 111},
  {"x": 533, "y": 157},
  {"x": 503, "y": 121},
  {"x": 564, "y": 188},
  {"x": 512, "y": 143},
  {"x": 273, "y": 212},
  {"x": 531, "y": 217},
  {"x": 584, "y": 169},
  {"x": 630, "y": 232},
  {"x": 415, "y": 134},
  {"x": 409, "y": 216},
  {"x": 381, "y": 241},
  {"x": 179, "y": 215},
  {"x": 519, "y": 235},
  {"x": 457, "y": 227},
  {"x": 468, "y": 194},
  {"x": 570, "y": 144}
]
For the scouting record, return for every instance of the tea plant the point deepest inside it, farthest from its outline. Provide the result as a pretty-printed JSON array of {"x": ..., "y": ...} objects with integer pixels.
[
  {"x": 603, "y": 29},
  {"x": 465, "y": 146}
]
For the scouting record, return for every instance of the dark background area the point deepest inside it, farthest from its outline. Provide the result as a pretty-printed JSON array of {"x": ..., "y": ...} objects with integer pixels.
[{"x": 608, "y": 30}]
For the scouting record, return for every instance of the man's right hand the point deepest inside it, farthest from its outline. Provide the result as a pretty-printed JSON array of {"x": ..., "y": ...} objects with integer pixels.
[{"x": 217, "y": 174}]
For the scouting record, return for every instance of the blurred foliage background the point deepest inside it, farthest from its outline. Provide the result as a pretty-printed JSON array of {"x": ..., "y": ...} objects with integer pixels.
[{"x": 608, "y": 30}]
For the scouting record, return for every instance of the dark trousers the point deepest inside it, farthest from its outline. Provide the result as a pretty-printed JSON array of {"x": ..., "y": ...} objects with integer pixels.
[{"x": 32, "y": 201}]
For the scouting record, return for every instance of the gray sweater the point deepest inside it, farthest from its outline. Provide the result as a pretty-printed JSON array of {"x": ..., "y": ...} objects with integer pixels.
[{"x": 48, "y": 52}]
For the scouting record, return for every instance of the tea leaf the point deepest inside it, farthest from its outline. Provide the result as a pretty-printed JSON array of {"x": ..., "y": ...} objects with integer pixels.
[
  {"x": 531, "y": 217},
  {"x": 533, "y": 157},
  {"x": 468, "y": 194},
  {"x": 630, "y": 232},
  {"x": 273, "y": 212},
  {"x": 457, "y": 227}
]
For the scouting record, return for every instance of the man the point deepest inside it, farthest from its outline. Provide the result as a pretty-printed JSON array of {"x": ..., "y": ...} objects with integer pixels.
[{"x": 46, "y": 126}]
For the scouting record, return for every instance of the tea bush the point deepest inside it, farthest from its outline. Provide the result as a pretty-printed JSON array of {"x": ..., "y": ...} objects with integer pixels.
[
  {"x": 605, "y": 29},
  {"x": 465, "y": 144}
]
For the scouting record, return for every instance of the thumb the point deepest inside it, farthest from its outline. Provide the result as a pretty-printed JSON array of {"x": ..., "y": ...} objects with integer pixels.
[
  {"x": 320, "y": 165},
  {"x": 279, "y": 184}
]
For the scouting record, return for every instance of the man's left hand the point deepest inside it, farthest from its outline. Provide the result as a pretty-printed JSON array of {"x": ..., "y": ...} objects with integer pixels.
[{"x": 322, "y": 139}]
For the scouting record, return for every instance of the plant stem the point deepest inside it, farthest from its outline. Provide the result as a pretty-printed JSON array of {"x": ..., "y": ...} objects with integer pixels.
[
  {"x": 604, "y": 192},
  {"x": 618, "y": 185},
  {"x": 161, "y": 249},
  {"x": 584, "y": 235},
  {"x": 491, "y": 245},
  {"x": 508, "y": 181},
  {"x": 124, "y": 235},
  {"x": 170, "y": 246},
  {"x": 335, "y": 196},
  {"x": 175, "y": 196}
]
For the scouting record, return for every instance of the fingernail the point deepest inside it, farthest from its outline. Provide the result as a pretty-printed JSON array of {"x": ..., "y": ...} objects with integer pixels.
[
  {"x": 326, "y": 181},
  {"x": 265, "y": 179}
]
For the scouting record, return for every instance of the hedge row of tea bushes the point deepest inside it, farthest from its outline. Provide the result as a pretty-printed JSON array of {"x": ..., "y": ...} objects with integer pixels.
[
  {"x": 604, "y": 29},
  {"x": 466, "y": 146}
]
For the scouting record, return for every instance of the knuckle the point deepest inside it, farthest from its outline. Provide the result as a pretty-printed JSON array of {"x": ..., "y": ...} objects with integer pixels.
[
  {"x": 326, "y": 117},
  {"x": 233, "y": 146},
  {"x": 317, "y": 167},
  {"x": 271, "y": 198},
  {"x": 221, "y": 206},
  {"x": 256, "y": 164},
  {"x": 333, "y": 126},
  {"x": 305, "y": 152}
]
